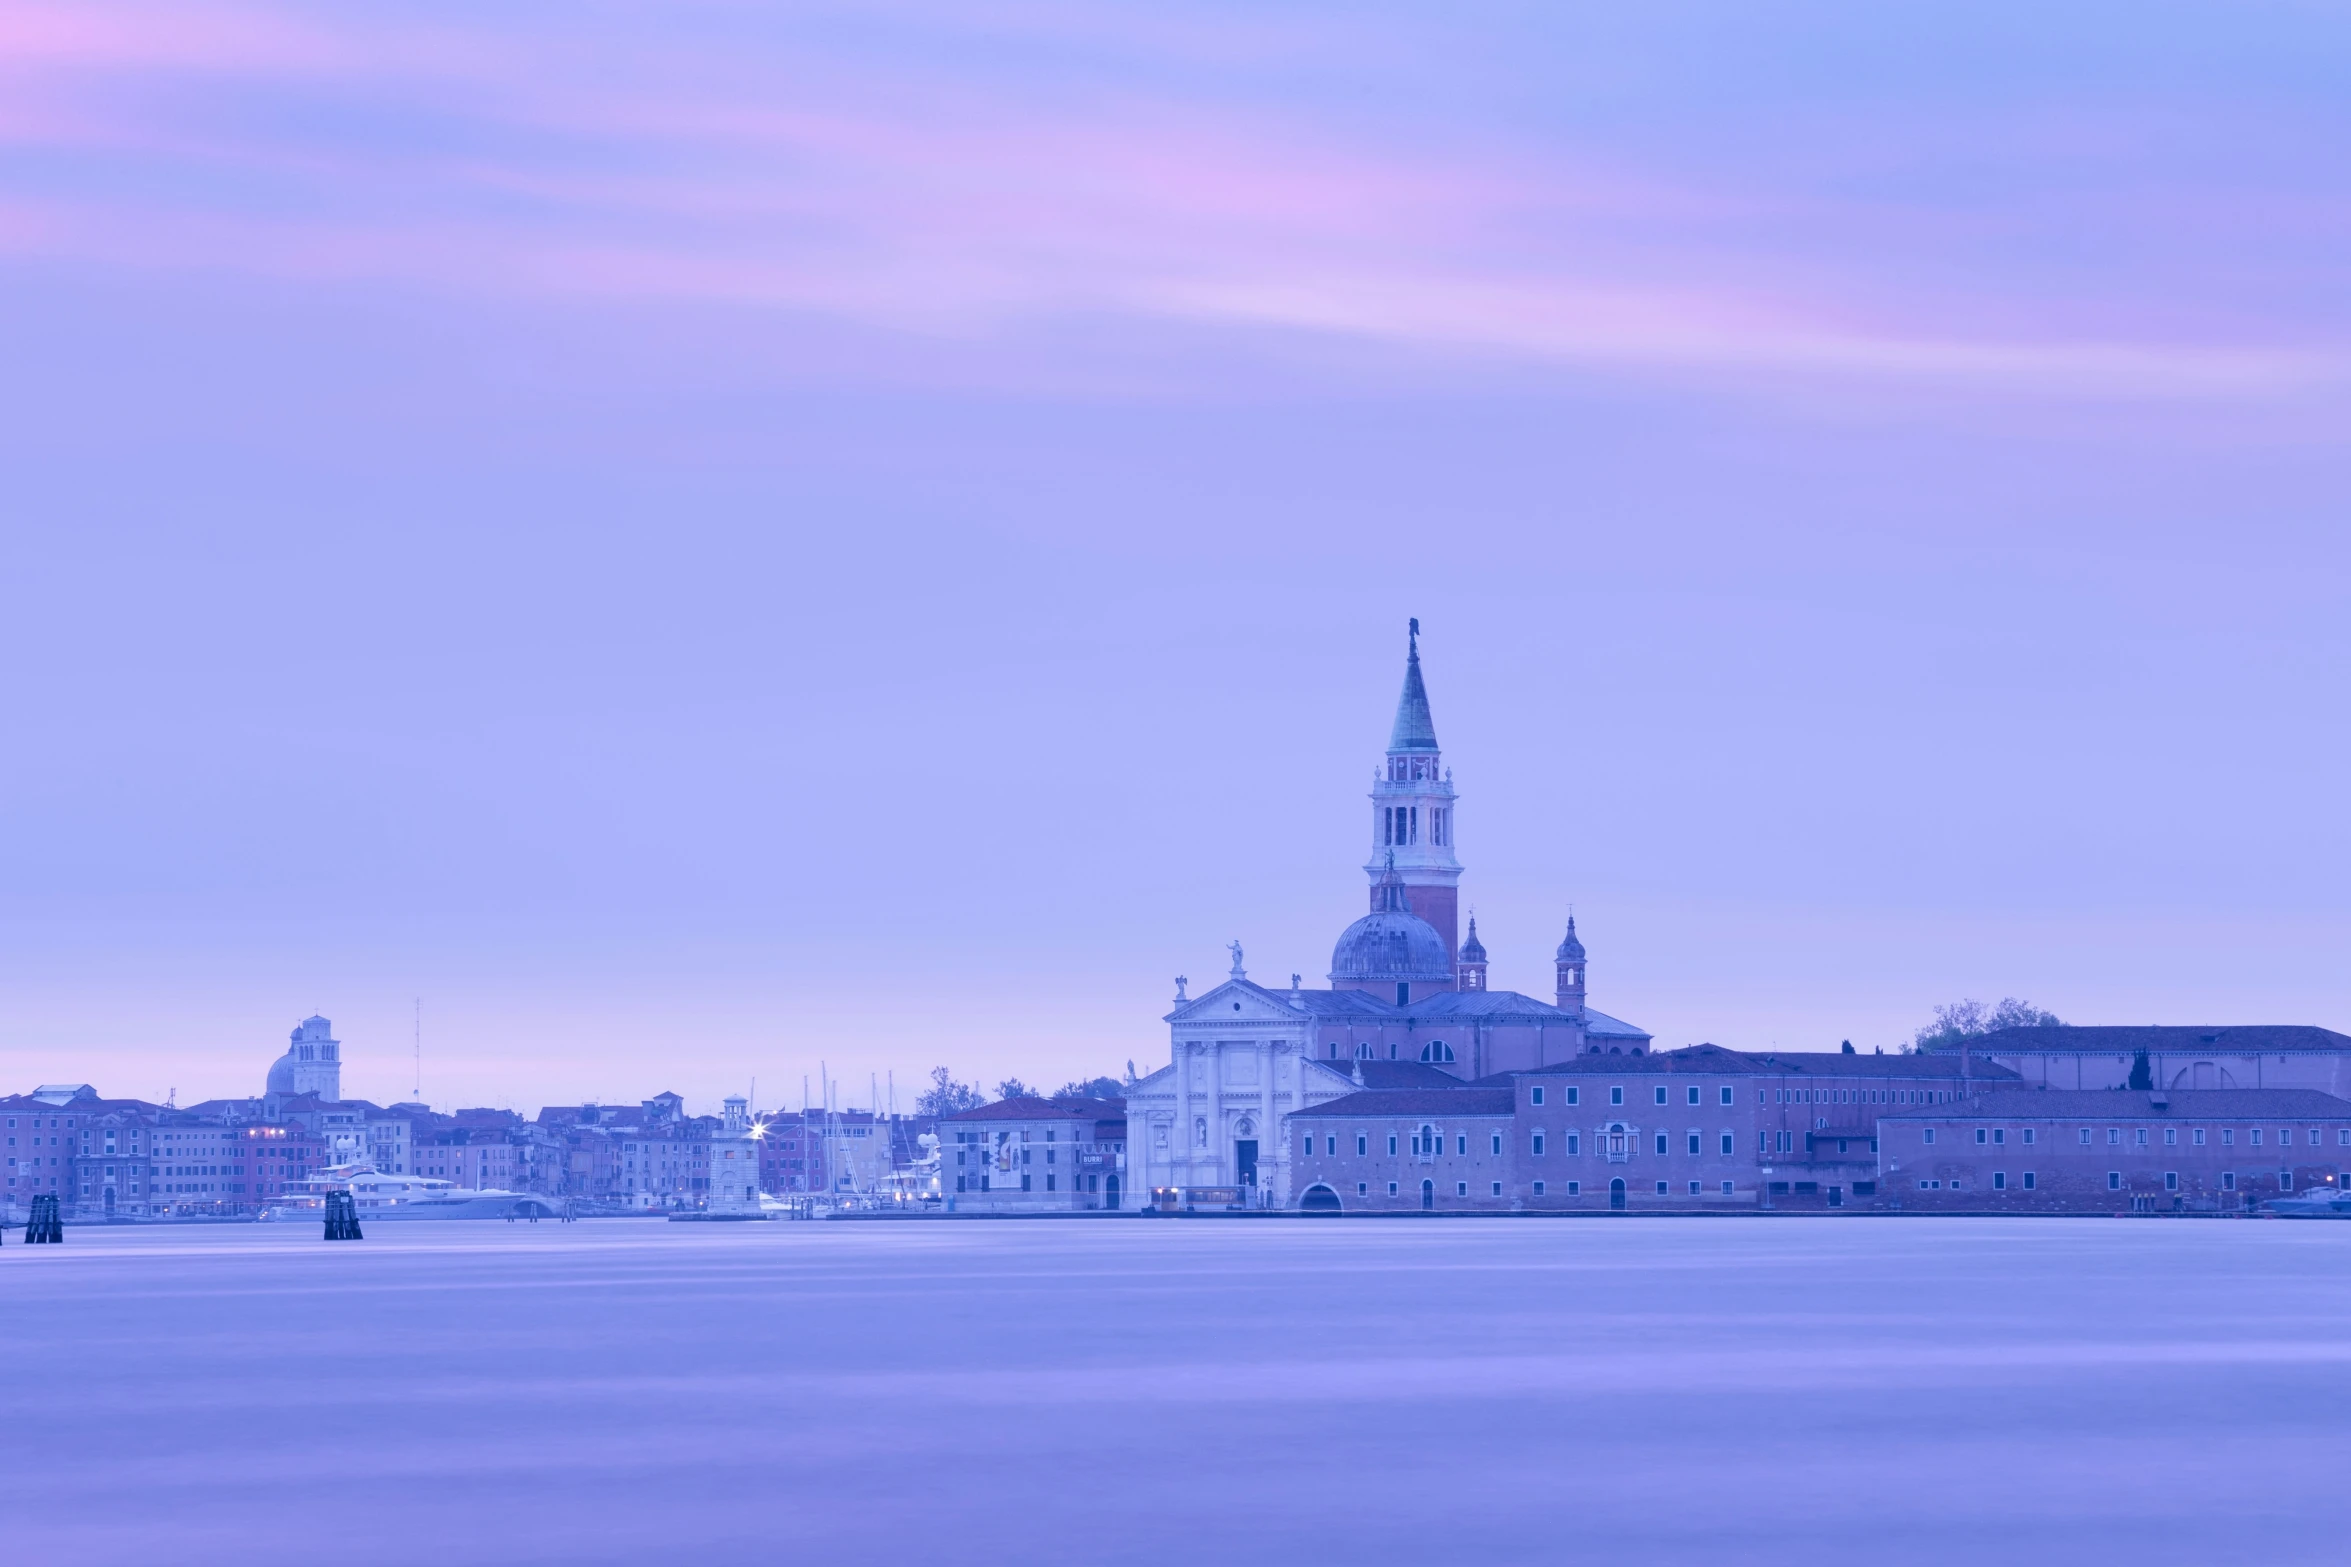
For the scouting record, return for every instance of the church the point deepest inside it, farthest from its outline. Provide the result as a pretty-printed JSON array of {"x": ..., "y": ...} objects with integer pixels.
[{"x": 1407, "y": 1005}]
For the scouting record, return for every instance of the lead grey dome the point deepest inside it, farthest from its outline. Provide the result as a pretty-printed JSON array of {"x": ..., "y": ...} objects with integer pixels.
[{"x": 1389, "y": 945}]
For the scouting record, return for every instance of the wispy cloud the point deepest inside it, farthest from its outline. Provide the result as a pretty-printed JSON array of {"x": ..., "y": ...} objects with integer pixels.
[{"x": 681, "y": 154}]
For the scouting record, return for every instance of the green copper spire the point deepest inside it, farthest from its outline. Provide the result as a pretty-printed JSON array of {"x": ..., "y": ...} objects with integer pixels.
[{"x": 1415, "y": 730}]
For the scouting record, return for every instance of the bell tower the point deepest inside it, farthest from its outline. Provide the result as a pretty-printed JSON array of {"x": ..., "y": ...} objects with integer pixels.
[{"x": 1412, "y": 811}]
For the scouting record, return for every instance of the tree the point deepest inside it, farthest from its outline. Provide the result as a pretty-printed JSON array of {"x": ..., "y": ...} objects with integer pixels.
[
  {"x": 1965, "y": 1020},
  {"x": 945, "y": 1096},
  {"x": 2142, "y": 1073},
  {"x": 1014, "y": 1088},
  {"x": 1093, "y": 1088}
]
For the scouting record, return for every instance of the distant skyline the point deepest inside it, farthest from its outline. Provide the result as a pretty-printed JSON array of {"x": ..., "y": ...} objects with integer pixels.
[{"x": 700, "y": 542}]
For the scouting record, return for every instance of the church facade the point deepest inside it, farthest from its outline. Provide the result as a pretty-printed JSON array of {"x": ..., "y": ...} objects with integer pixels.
[{"x": 1406, "y": 1007}]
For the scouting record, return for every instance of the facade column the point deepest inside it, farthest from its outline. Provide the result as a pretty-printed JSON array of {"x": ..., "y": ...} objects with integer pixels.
[
  {"x": 1265, "y": 1122},
  {"x": 1179, "y": 1150},
  {"x": 1216, "y": 1111}
]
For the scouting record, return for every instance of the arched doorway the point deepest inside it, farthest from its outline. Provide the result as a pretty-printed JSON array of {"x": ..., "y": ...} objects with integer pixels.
[
  {"x": 110, "y": 1199},
  {"x": 1428, "y": 1196},
  {"x": 1318, "y": 1198},
  {"x": 1110, "y": 1192},
  {"x": 1616, "y": 1193}
]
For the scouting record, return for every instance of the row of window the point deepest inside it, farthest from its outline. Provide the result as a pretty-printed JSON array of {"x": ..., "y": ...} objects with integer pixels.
[
  {"x": 1725, "y": 1095},
  {"x": 1996, "y": 1136},
  {"x": 2030, "y": 1181},
  {"x": 1427, "y": 1143}
]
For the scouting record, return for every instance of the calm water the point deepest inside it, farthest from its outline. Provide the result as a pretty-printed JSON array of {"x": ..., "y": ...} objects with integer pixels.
[{"x": 1797, "y": 1391}]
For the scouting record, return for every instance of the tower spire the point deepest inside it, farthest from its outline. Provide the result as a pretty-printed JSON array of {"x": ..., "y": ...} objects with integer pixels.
[
  {"x": 1412, "y": 810},
  {"x": 1415, "y": 730}
]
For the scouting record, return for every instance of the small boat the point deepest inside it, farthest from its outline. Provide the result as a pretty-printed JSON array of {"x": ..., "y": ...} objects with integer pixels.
[
  {"x": 2328, "y": 1203},
  {"x": 377, "y": 1196}
]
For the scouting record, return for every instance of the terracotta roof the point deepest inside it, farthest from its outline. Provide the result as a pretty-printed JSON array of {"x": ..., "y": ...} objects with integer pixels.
[
  {"x": 1413, "y": 1101},
  {"x": 2093, "y": 1104},
  {"x": 2166, "y": 1038},
  {"x": 1019, "y": 1110}
]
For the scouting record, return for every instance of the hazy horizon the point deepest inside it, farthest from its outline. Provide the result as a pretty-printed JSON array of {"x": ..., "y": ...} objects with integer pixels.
[{"x": 698, "y": 542}]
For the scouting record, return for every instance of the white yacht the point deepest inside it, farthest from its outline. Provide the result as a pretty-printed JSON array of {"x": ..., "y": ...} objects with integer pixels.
[{"x": 378, "y": 1196}]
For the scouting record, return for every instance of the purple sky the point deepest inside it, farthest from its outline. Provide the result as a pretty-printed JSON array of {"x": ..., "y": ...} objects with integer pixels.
[{"x": 699, "y": 542}]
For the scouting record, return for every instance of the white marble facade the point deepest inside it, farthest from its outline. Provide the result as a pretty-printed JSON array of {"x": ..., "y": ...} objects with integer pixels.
[{"x": 1241, "y": 1058}]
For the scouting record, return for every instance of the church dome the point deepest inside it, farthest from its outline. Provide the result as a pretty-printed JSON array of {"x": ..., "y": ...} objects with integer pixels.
[
  {"x": 281, "y": 1075},
  {"x": 1390, "y": 944}
]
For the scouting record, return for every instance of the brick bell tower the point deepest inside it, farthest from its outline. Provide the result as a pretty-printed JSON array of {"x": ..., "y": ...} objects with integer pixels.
[{"x": 1412, "y": 812}]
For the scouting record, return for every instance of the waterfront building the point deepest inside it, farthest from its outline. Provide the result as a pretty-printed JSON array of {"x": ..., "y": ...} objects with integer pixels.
[
  {"x": 2276, "y": 1055},
  {"x": 1027, "y": 1155},
  {"x": 1402, "y": 990},
  {"x": 734, "y": 1163},
  {"x": 2114, "y": 1150}
]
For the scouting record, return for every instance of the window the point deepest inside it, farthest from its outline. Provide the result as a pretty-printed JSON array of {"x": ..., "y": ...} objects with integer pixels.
[
  {"x": 1362, "y": 1145},
  {"x": 1308, "y": 1151},
  {"x": 1497, "y": 1144},
  {"x": 2028, "y": 1137},
  {"x": 2342, "y": 1137},
  {"x": 1659, "y": 1093},
  {"x": 1391, "y": 1188},
  {"x": 1616, "y": 1094},
  {"x": 1663, "y": 1142},
  {"x": 2228, "y": 1137},
  {"x": 1999, "y": 1180},
  {"x": 2314, "y": 1137},
  {"x": 2254, "y": 1137},
  {"x": 1574, "y": 1143},
  {"x": 1538, "y": 1188},
  {"x": 1575, "y": 1094},
  {"x": 1461, "y": 1145},
  {"x": 2114, "y": 1180},
  {"x": 1981, "y": 1135},
  {"x": 1726, "y": 1099},
  {"x": 2285, "y": 1180},
  {"x": 1727, "y": 1188},
  {"x": 2139, "y": 1136},
  {"x": 2228, "y": 1180},
  {"x": 1537, "y": 1097},
  {"x": 2171, "y": 1180},
  {"x": 1436, "y": 1052},
  {"x": 1694, "y": 1148},
  {"x": 1728, "y": 1147},
  {"x": 1575, "y": 1188},
  {"x": 2085, "y": 1137},
  {"x": 1497, "y": 1188},
  {"x": 2171, "y": 1137},
  {"x": 1693, "y": 1093},
  {"x": 1930, "y": 1134},
  {"x": 1330, "y": 1145},
  {"x": 1538, "y": 1145},
  {"x": 2029, "y": 1182},
  {"x": 1363, "y": 1188},
  {"x": 2197, "y": 1136},
  {"x": 1391, "y": 1145},
  {"x": 1696, "y": 1187},
  {"x": 2114, "y": 1137}
]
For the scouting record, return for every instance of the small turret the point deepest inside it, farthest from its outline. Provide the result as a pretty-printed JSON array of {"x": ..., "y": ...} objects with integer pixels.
[
  {"x": 1570, "y": 958},
  {"x": 1472, "y": 975}
]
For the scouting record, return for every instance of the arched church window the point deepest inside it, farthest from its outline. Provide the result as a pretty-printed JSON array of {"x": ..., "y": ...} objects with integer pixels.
[
  {"x": 1363, "y": 1051},
  {"x": 1437, "y": 1052}
]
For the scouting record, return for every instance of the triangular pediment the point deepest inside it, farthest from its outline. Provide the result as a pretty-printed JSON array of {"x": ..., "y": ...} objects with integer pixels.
[{"x": 1236, "y": 1001}]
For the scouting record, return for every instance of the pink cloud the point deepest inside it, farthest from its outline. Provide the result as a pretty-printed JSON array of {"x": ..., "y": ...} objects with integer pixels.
[{"x": 666, "y": 166}]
